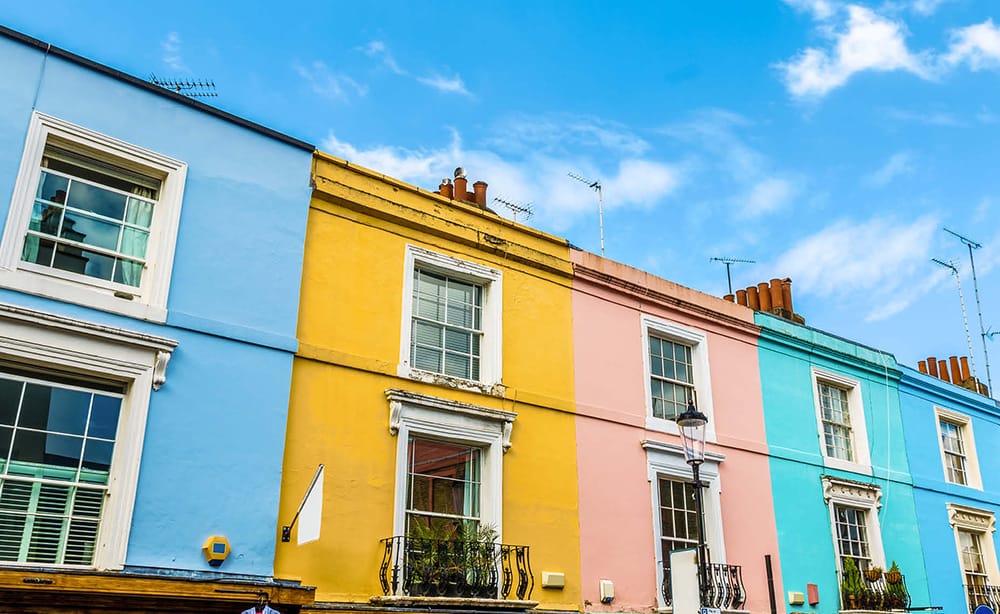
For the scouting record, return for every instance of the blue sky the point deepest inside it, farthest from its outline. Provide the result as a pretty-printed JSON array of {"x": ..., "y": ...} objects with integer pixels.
[{"x": 828, "y": 141}]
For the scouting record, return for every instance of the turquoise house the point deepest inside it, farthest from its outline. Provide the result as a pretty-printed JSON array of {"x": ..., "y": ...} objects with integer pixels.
[
  {"x": 843, "y": 495},
  {"x": 952, "y": 435}
]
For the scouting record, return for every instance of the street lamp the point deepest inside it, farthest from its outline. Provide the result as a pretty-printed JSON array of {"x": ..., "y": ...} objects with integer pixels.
[{"x": 691, "y": 424}]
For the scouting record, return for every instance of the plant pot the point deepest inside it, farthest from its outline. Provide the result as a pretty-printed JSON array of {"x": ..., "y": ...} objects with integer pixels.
[
  {"x": 852, "y": 602},
  {"x": 874, "y": 574},
  {"x": 893, "y": 577}
]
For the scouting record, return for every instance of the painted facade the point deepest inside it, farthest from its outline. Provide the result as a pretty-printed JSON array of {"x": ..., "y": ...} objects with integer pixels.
[
  {"x": 951, "y": 434},
  {"x": 634, "y": 503},
  {"x": 839, "y": 468},
  {"x": 397, "y": 279},
  {"x": 149, "y": 281}
]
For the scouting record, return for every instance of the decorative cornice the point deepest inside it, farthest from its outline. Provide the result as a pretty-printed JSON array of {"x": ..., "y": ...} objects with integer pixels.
[
  {"x": 971, "y": 519},
  {"x": 82, "y": 327},
  {"x": 398, "y": 398},
  {"x": 673, "y": 448},
  {"x": 851, "y": 492}
]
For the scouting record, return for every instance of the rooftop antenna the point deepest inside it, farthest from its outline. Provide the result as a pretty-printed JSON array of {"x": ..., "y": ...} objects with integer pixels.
[
  {"x": 595, "y": 185},
  {"x": 515, "y": 207},
  {"x": 729, "y": 262},
  {"x": 950, "y": 265},
  {"x": 196, "y": 88},
  {"x": 979, "y": 307}
]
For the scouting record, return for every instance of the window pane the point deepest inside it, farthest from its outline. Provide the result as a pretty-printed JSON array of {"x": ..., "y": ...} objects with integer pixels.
[
  {"x": 97, "y": 200},
  {"x": 139, "y": 212},
  {"x": 46, "y": 218},
  {"x": 427, "y": 359},
  {"x": 90, "y": 230},
  {"x": 128, "y": 272},
  {"x": 134, "y": 242},
  {"x": 457, "y": 341},
  {"x": 104, "y": 417},
  {"x": 10, "y": 399},
  {"x": 52, "y": 188},
  {"x": 77, "y": 260},
  {"x": 456, "y": 365}
]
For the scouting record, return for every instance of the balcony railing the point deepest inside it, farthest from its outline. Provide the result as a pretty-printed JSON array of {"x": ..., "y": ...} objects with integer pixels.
[
  {"x": 880, "y": 595},
  {"x": 983, "y": 594},
  {"x": 420, "y": 567},
  {"x": 723, "y": 589}
]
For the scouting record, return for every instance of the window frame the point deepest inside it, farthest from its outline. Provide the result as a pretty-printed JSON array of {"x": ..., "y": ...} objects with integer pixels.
[
  {"x": 697, "y": 340},
  {"x": 36, "y": 340},
  {"x": 149, "y": 300},
  {"x": 964, "y": 424},
  {"x": 491, "y": 346},
  {"x": 859, "y": 496},
  {"x": 859, "y": 432},
  {"x": 666, "y": 460},
  {"x": 427, "y": 417},
  {"x": 982, "y": 523}
]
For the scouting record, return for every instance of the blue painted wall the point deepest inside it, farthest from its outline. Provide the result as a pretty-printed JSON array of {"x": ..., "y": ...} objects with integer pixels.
[
  {"x": 919, "y": 395},
  {"x": 787, "y": 353},
  {"x": 213, "y": 449}
]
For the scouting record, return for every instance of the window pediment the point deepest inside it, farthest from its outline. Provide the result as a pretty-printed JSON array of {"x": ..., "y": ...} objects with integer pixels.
[{"x": 971, "y": 519}]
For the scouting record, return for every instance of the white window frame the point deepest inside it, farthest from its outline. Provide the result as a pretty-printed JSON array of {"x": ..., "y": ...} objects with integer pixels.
[
  {"x": 858, "y": 495},
  {"x": 428, "y": 417},
  {"x": 491, "y": 346},
  {"x": 983, "y": 523},
  {"x": 149, "y": 300},
  {"x": 964, "y": 424},
  {"x": 84, "y": 349},
  {"x": 667, "y": 460},
  {"x": 859, "y": 433},
  {"x": 697, "y": 340}
]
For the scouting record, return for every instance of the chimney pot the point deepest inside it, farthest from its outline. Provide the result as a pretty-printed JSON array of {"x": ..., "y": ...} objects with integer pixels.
[
  {"x": 964, "y": 362},
  {"x": 932, "y": 366},
  {"x": 922, "y": 366},
  {"x": 943, "y": 370},
  {"x": 753, "y": 302},
  {"x": 461, "y": 188},
  {"x": 956, "y": 372},
  {"x": 479, "y": 188},
  {"x": 786, "y": 294},
  {"x": 730, "y": 298},
  {"x": 741, "y": 297},
  {"x": 764, "y": 295},
  {"x": 777, "y": 301}
]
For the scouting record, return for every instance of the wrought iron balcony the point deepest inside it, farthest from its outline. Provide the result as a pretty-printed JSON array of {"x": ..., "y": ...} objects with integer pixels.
[
  {"x": 878, "y": 594},
  {"x": 421, "y": 567},
  {"x": 723, "y": 589},
  {"x": 983, "y": 594}
]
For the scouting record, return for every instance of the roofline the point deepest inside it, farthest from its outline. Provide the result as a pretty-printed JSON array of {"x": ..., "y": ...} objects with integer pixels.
[{"x": 135, "y": 81}]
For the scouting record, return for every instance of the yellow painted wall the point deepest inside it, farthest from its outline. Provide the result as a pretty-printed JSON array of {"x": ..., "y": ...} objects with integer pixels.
[{"x": 349, "y": 330}]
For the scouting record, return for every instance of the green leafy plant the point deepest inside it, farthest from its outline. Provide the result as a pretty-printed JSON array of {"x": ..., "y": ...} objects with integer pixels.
[
  {"x": 852, "y": 587},
  {"x": 896, "y": 597}
]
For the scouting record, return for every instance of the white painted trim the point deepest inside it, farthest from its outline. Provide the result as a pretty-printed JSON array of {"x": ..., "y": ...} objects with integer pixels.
[
  {"x": 667, "y": 460},
  {"x": 858, "y": 495},
  {"x": 491, "y": 348},
  {"x": 150, "y": 298},
  {"x": 446, "y": 420},
  {"x": 983, "y": 523},
  {"x": 698, "y": 341},
  {"x": 137, "y": 360},
  {"x": 964, "y": 424},
  {"x": 859, "y": 432}
]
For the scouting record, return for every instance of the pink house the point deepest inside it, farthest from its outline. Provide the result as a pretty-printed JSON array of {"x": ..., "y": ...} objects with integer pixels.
[{"x": 643, "y": 346}]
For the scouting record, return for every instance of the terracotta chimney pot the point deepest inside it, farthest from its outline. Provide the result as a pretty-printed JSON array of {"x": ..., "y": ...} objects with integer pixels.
[
  {"x": 753, "y": 302},
  {"x": 479, "y": 188},
  {"x": 786, "y": 294},
  {"x": 932, "y": 366},
  {"x": 964, "y": 361},
  {"x": 764, "y": 295},
  {"x": 922, "y": 366},
  {"x": 956, "y": 372},
  {"x": 776, "y": 299},
  {"x": 461, "y": 188},
  {"x": 741, "y": 297},
  {"x": 446, "y": 189},
  {"x": 943, "y": 370},
  {"x": 729, "y": 298}
]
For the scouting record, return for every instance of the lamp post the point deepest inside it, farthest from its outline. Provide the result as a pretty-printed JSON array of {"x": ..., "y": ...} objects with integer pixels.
[{"x": 691, "y": 424}]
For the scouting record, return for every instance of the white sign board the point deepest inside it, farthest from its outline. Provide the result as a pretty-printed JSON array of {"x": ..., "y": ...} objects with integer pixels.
[{"x": 684, "y": 581}]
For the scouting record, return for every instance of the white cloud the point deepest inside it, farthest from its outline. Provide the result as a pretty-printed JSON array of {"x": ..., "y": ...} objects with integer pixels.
[
  {"x": 330, "y": 85},
  {"x": 898, "y": 165},
  {"x": 452, "y": 85},
  {"x": 767, "y": 196},
  {"x": 927, "y": 7},
  {"x": 377, "y": 49},
  {"x": 171, "y": 47},
  {"x": 565, "y": 134},
  {"x": 883, "y": 260},
  {"x": 977, "y": 45},
  {"x": 540, "y": 179},
  {"x": 868, "y": 42},
  {"x": 819, "y": 9}
]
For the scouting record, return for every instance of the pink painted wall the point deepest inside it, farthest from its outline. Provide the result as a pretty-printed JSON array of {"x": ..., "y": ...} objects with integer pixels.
[{"x": 616, "y": 514}]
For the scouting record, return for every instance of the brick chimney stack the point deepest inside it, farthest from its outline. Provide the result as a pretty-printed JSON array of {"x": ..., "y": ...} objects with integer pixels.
[
  {"x": 955, "y": 370},
  {"x": 459, "y": 189},
  {"x": 774, "y": 297}
]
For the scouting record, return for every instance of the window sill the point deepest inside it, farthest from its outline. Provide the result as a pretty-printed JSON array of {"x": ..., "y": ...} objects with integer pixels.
[
  {"x": 661, "y": 425},
  {"x": 71, "y": 292},
  {"x": 495, "y": 390},
  {"x": 836, "y": 463}
]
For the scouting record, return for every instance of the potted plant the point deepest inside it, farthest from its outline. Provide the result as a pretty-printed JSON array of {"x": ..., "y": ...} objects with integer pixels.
[
  {"x": 896, "y": 596},
  {"x": 873, "y": 574},
  {"x": 893, "y": 576},
  {"x": 852, "y": 587}
]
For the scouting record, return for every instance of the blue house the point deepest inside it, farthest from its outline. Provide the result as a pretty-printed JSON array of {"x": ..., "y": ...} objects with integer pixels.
[
  {"x": 952, "y": 434},
  {"x": 150, "y": 262},
  {"x": 843, "y": 497}
]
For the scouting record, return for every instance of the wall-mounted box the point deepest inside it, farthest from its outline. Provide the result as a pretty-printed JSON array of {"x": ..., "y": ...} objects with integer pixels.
[
  {"x": 796, "y": 598},
  {"x": 553, "y": 579}
]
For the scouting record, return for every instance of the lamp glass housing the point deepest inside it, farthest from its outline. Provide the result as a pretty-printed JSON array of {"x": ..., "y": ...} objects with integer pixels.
[{"x": 692, "y": 424}]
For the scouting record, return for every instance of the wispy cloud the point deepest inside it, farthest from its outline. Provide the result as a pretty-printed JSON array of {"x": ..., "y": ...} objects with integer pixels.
[
  {"x": 768, "y": 195},
  {"x": 564, "y": 134},
  {"x": 927, "y": 7},
  {"x": 928, "y": 118},
  {"x": 898, "y": 165},
  {"x": 819, "y": 9},
  {"x": 978, "y": 46},
  {"x": 171, "y": 47},
  {"x": 883, "y": 258},
  {"x": 448, "y": 85},
  {"x": 328, "y": 84},
  {"x": 377, "y": 49},
  {"x": 866, "y": 42}
]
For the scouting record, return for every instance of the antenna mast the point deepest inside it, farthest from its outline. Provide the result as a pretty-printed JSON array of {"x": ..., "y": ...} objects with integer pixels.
[
  {"x": 595, "y": 185},
  {"x": 515, "y": 207},
  {"x": 186, "y": 87},
  {"x": 729, "y": 262},
  {"x": 979, "y": 308},
  {"x": 961, "y": 299}
]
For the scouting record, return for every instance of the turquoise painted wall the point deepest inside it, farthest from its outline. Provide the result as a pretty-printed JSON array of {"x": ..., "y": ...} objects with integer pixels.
[
  {"x": 213, "y": 449},
  {"x": 788, "y": 353},
  {"x": 919, "y": 395}
]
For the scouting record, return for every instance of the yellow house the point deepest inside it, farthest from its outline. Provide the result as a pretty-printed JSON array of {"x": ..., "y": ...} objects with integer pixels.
[{"x": 434, "y": 384}]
